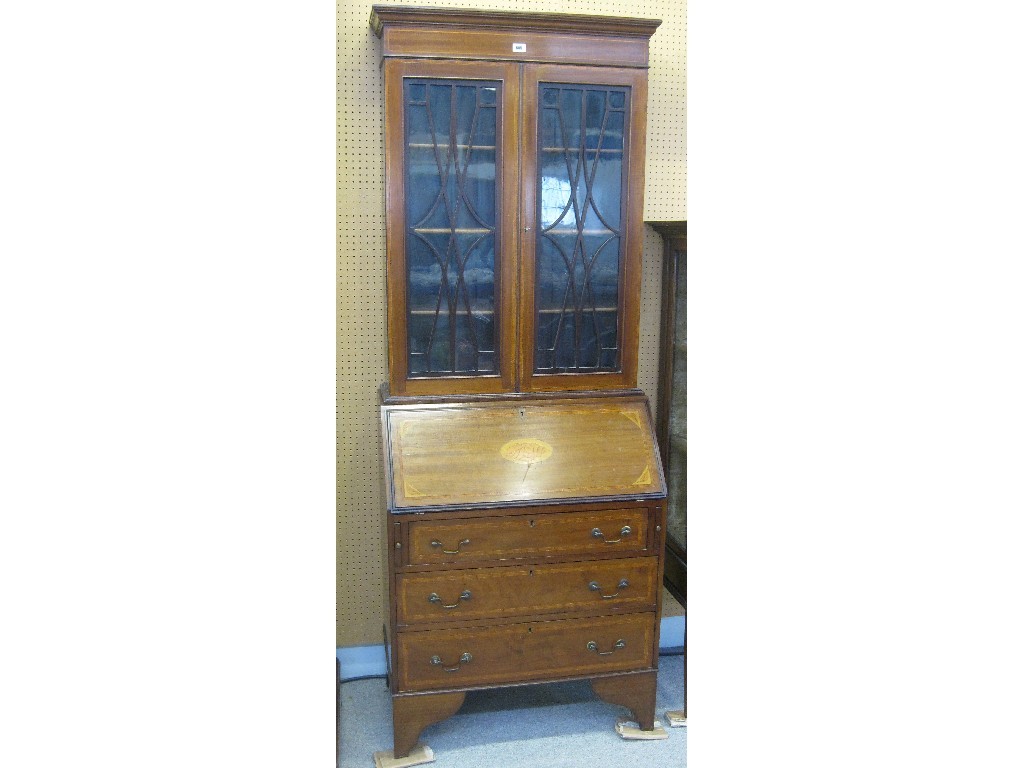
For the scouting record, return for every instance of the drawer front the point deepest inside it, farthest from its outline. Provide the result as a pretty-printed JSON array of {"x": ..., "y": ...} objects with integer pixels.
[
  {"x": 451, "y": 658},
  {"x": 524, "y": 536},
  {"x": 480, "y": 593}
]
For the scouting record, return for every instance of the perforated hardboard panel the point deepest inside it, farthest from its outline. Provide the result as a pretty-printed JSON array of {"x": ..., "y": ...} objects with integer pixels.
[{"x": 362, "y": 324}]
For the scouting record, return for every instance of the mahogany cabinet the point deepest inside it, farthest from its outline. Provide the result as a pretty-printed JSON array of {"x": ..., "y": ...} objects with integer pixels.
[
  {"x": 514, "y": 158},
  {"x": 525, "y": 520}
]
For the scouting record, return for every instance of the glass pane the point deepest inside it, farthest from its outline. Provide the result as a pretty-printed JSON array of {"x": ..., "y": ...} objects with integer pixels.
[
  {"x": 583, "y": 172},
  {"x": 451, "y": 158}
]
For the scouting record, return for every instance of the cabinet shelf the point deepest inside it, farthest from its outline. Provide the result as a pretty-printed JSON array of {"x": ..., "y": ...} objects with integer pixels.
[
  {"x": 586, "y": 311},
  {"x": 572, "y": 231},
  {"x": 449, "y": 230},
  {"x": 481, "y": 231},
  {"x": 431, "y": 312},
  {"x": 424, "y": 145},
  {"x": 586, "y": 149}
]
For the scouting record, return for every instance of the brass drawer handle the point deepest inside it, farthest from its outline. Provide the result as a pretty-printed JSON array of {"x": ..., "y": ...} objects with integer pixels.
[
  {"x": 436, "y": 598},
  {"x": 436, "y": 543},
  {"x": 626, "y": 530},
  {"x": 592, "y": 646},
  {"x": 463, "y": 659},
  {"x": 595, "y": 587}
]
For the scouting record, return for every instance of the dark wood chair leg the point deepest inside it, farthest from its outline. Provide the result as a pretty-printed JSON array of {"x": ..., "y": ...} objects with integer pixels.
[
  {"x": 412, "y": 713},
  {"x": 637, "y": 692}
]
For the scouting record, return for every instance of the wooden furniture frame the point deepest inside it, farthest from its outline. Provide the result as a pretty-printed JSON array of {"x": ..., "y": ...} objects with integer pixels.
[{"x": 533, "y": 582}]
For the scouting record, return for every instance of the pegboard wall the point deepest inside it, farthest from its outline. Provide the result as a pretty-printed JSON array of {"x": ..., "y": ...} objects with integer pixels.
[{"x": 362, "y": 317}]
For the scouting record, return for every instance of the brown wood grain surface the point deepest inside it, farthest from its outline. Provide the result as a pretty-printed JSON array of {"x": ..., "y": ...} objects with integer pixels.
[
  {"x": 497, "y": 45},
  {"x": 489, "y": 453},
  {"x": 527, "y": 651},
  {"x": 522, "y": 591},
  {"x": 528, "y": 536},
  {"x": 382, "y": 16}
]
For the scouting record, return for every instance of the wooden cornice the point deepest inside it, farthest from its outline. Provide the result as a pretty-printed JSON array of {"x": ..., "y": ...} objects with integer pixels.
[{"x": 523, "y": 21}]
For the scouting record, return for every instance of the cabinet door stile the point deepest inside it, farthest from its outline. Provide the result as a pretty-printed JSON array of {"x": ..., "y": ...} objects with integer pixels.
[
  {"x": 527, "y": 228},
  {"x": 511, "y": 180}
]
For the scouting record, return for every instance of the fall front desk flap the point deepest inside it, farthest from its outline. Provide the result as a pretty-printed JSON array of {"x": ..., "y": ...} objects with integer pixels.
[{"x": 483, "y": 454}]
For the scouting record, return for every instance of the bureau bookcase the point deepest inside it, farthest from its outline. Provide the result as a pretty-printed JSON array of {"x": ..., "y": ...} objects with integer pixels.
[{"x": 525, "y": 521}]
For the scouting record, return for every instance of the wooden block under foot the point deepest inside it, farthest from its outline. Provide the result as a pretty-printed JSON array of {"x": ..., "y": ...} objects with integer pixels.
[
  {"x": 676, "y": 718},
  {"x": 419, "y": 754},
  {"x": 631, "y": 730}
]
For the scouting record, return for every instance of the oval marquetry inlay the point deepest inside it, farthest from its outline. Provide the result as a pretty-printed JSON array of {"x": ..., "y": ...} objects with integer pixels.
[{"x": 526, "y": 450}]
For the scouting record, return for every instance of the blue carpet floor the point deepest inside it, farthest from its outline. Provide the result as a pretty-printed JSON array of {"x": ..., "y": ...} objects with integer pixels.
[{"x": 561, "y": 725}]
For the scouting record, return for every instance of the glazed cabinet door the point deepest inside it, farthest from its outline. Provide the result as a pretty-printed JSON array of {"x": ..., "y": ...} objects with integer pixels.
[
  {"x": 582, "y": 208},
  {"x": 451, "y": 134}
]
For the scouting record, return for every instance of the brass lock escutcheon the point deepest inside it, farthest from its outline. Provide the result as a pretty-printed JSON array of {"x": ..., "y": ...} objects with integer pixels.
[
  {"x": 463, "y": 659},
  {"x": 595, "y": 587},
  {"x": 436, "y": 598},
  {"x": 597, "y": 534}
]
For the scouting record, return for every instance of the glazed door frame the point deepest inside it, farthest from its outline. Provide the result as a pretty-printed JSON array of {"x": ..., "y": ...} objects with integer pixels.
[
  {"x": 507, "y": 243},
  {"x": 631, "y": 224}
]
